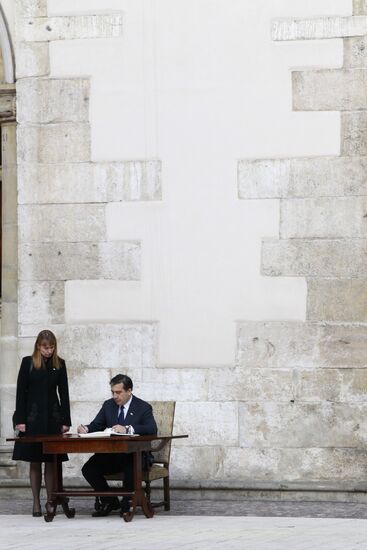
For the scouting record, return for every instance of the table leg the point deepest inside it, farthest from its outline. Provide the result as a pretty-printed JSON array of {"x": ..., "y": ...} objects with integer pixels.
[
  {"x": 139, "y": 498},
  {"x": 64, "y": 501},
  {"x": 51, "y": 505}
]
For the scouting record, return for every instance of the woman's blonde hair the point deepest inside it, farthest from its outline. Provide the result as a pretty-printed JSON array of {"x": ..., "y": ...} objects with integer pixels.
[{"x": 37, "y": 359}]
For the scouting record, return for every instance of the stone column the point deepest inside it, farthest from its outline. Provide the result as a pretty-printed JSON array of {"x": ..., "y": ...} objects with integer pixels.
[{"x": 9, "y": 274}]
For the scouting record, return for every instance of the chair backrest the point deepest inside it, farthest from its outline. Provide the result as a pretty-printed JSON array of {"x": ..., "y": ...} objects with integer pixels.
[{"x": 164, "y": 414}]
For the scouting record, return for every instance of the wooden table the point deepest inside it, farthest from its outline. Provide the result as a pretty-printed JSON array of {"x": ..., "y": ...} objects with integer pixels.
[{"x": 59, "y": 444}]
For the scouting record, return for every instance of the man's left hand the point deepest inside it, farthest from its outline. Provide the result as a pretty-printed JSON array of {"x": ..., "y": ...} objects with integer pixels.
[{"x": 119, "y": 429}]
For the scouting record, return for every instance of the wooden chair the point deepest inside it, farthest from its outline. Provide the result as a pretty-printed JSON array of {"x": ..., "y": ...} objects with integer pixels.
[{"x": 164, "y": 413}]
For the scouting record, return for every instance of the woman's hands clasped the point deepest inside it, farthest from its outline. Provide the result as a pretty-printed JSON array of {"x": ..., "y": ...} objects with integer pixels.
[{"x": 20, "y": 427}]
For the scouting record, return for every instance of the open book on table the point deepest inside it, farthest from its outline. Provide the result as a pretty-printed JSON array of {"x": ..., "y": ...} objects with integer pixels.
[{"x": 106, "y": 433}]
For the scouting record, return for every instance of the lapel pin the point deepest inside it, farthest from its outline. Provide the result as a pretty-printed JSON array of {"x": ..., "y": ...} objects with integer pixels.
[{"x": 131, "y": 414}]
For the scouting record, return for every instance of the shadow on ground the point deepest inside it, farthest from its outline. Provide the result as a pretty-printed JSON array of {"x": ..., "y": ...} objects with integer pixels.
[{"x": 220, "y": 508}]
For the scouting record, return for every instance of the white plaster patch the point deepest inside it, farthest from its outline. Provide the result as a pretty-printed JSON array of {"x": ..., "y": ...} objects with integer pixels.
[
  {"x": 198, "y": 275},
  {"x": 198, "y": 104}
]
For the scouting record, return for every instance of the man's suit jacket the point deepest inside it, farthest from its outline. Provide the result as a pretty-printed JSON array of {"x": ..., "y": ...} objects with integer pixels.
[{"x": 139, "y": 416}]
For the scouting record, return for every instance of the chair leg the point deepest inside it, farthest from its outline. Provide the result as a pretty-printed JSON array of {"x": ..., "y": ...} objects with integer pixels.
[
  {"x": 148, "y": 490},
  {"x": 167, "y": 500}
]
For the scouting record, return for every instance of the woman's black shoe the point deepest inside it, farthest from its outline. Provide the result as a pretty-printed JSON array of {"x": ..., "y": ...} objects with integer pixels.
[{"x": 125, "y": 505}]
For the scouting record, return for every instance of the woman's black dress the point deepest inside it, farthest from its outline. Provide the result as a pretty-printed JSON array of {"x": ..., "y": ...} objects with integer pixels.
[{"x": 42, "y": 404}]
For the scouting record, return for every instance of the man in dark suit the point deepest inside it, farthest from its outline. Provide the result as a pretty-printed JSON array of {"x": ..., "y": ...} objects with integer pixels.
[{"x": 124, "y": 413}]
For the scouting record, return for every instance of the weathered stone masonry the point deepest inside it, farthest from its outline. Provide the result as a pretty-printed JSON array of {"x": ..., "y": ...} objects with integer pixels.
[
  {"x": 62, "y": 195},
  {"x": 313, "y": 420},
  {"x": 292, "y": 406}
]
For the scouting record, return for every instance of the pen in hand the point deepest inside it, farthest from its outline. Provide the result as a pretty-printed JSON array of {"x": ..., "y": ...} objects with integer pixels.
[{"x": 82, "y": 429}]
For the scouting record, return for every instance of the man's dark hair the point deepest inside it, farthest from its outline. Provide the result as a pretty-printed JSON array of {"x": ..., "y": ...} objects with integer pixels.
[{"x": 122, "y": 379}]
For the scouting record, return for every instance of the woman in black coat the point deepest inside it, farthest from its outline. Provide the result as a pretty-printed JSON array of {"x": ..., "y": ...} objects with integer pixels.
[{"x": 42, "y": 407}]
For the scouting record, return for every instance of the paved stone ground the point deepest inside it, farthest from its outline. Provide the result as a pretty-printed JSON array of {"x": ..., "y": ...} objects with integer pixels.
[
  {"x": 182, "y": 532},
  {"x": 192, "y": 524}
]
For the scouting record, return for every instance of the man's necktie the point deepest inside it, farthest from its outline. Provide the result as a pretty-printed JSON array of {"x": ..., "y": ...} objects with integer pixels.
[{"x": 121, "y": 418}]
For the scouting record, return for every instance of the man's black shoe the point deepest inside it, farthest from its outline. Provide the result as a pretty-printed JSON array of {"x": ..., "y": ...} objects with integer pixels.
[{"x": 107, "y": 508}]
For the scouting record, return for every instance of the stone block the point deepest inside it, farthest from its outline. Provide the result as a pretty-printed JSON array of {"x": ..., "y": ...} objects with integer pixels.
[
  {"x": 263, "y": 178},
  {"x": 314, "y": 258},
  {"x": 29, "y": 331},
  {"x": 38, "y": 100},
  {"x": 47, "y": 262},
  {"x": 89, "y": 182},
  {"x": 299, "y": 345},
  {"x": 103, "y": 260},
  {"x": 26, "y": 345},
  {"x": 174, "y": 384},
  {"x": 61, "y": 223},
  {"x": 32, "y": 59},
  {"x": 354, "y": 133},
  {"x": 359, "y": 7},
  {"x": 46, "y": 29},
  {"x": 9, "y": 196},
  {"x": 9, "y": 371},
  {"x": 355, "y": 53},
  {"x": 323, "y": 217},
  {"x": 131, "y": 180},
  {"x": 9, "y": 246},
  {"x": 354, "y": 386},
  {"x": 115, "y": 346},
  {"x": 31, "y": 8},
  {"x": 9, "y": 284},
  {"x": 277, "y": 344},
  {"x": 330, "y": 90},
  {"x": 220, "y": 421},
  {"x": 41, "y": 302},
  {"x": 89, "y": 384},
  {"x": 248, "y": 464},
  {"x": 191, "y": 463},
  {"x": 318, "y": 28},
  {"x": 337, "y": 300},
  {"x": 302, "y": 177},
  {"x": 256, "y": 384},
  {"x": 9, "y": 318},
  {"x": 280, "y": 425},
  {"x": 119, "y": 260},
  {"x": 9, "y": 152},
  {"x": 335, "y": 385},
  {"x": 7, "y": 400},
  {"x": 342, "y": 346},
  {"x": 280, "y": 465},
  {"x": 319, "y": 385},
  {"x": 59, "y": 183},
  {"x": 54, "y": 143}
]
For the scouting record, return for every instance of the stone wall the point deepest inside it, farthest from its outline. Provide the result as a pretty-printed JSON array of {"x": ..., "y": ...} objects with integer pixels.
[
  {"x": 62, "y": 197},
  {"x": 289, "y": 410},
  {"x": 309, "y": 400}
]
